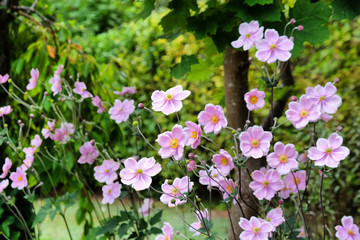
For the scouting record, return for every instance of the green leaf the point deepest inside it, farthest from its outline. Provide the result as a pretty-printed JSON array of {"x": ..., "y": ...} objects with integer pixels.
[
  {"x": 40, "y": 216},
  {"x": 348, "y": 9},
  {"x": 313, "y": 17},
  {"x": 185, "y": 66},
  {"x": 260, "y": 2},
  {"x": 109, "y": 226},
  {"x": 200, "y": 71},
  {"x": 155, "y": 230},
  {"x": 123, "y": 230},
  {"x": 149, "y": 6},
  {"x": 271, "y": 13},
  {"x": 156, "y": 218}
]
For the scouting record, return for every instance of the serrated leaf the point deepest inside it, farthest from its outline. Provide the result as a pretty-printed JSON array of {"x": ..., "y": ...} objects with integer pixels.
[
  {"x": 260, "y": 2},
  {"x": 313, "y": 17},
  {"x": 156, "y": 218},
  {"x": 123, "y": 230},
  {"x": 109, "y": 226},
  {"x": 348, "y": 9},
  {"x": 185, "y": 66}
]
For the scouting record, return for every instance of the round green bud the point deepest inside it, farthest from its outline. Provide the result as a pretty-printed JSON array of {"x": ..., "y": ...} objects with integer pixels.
[
  {"x": 170, "y": 181},
  {"x": 173, "y": 201},
  {"x": 187, "y": 161},
  {"x": 233, "y": 131},
  {"x": 10, "y": 80},
  {"x": 135, "y": 123},
  {"x": 51, "y": 100},
  {"x": 198, "y": 199},
  {"x": 5, "y": 125}
]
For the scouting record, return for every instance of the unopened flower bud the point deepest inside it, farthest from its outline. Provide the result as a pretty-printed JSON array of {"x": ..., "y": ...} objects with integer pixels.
[
  {"x": 26, "y": 93},
  {"x": 300, "y": 28},
  {"x": 5, "y": 125},
  {"x": 92, "y": 142},
  {"x": 336, "y": 80},
  {"x": 247, "y": 122},
  {"x": 170, "y": 181},
  {"x": 172, "y": 201},
  {"x": 177, "y": 232},
  {"x": 338, "y": 128},
  {"x": 250, "y": 59},
  {"x": 191, "y": 155},
  {"x": 293, "y": 98},
  {"x": 292, "y": 21},
  {"x": 45, "y": 93},
  {"x": 291, "y": 38},
  {"x": 19, "y": 121},
  {"x": 280, "y": 202},
  {"x": 188, "y": 161},
  {"x": 31, "y": 115},
  {"x": 140, "y": 105},
  {"x": 233, "y": 131},
  {"x": 239, "y": 129},
  {"x": 196, "y": 156},
  {"x": 198, "y": 199},
  {"x": 10, "y": 80},
  {"x": 51, "y": 100},
  {"x": 22, "y": 124},
  {"x": 203, "y": 162},
  {"x": 135, "y": 123}
]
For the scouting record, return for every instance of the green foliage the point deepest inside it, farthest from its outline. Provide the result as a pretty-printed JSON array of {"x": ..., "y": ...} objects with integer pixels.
[
  {"x": 345, "y": 9},
  {"x": 185, "y": 66},
  {"x": 260, "y": 2}
]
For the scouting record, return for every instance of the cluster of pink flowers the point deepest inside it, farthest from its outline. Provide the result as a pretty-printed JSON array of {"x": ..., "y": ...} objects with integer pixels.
[
  {"x": 62, "y": 134},
  {"x": 88, "y": 153},
  {"x": 173, "y": 193},
  {"x": 273, "y": 47}
]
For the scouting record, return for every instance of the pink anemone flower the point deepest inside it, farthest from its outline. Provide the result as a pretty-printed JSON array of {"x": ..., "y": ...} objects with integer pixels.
[
  {"x": 285, "y": 191},
  {"x": 213, "y": 118},
  {"x": 172, "y": 143},
  {"x": 194, "y": 133},
  {"x": 329, "y": 152},
  {"x": 191, "y": 166},
  {"x": 176, "y": 190},
  {"x": 227, "y": 186},
  {"x": 296, "y": 181},
  {"x": 3, "y": 185},
  {"x": 200, "y": 215},
  {"x": 106, "y": 172},
  {"x": 223, "y": 162},
  {"x": 348, "y": 230},
  {"x": 126, "y": 90},
  {"x": 255, "y": 228},
  {"x": 55, "y": 81},
  {"x": 88, "y": 153},
  {"x": 121, "y": 110},
  {"x": 303, "y": 112},
  {"x": 4, "y": 79},
  {"x": 254, "y": 99},
  {"x": 266, "y": 185},
  {"x": 6, "y": 167},
  {"x": 325, "y": 98},
  {"x": 255, "y": 142},
  {"x": 96, "y": 101},
  {"x": 111, "y": 192},
  {"x": 138, "y": 174},
  {"x": 6, "y": 110},
  {"x": 275, "y": 217},
  {"x": 273, "y": 47},
  {"x": 250, "y": 33},
  {"x": 80, "y": 88},
  {"x": 36, "y": 141},
  {"x": 145, "y": 208},
  {"x": 283, "y": 158},
  {"x": 170, "y": 101},
  {"x": 18, "y": 179},
  {"x": 212, "y": 177},
  {"x": 33, "y": 80},
  {"x": 168, "y": 232}
]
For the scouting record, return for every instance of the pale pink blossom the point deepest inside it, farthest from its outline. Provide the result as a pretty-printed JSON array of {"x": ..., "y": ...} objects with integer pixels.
[
  {"x": 324, "y": 98},
  {"x": 63, "y": 133},
  {"x": 4, "y": 79},
  {"x": 273, "y": 47},
  {"x": 55, "y": 81},
  {"x": 303, "y": 112},
  {"x": 18, "y": 179},
  {"x": 212, "y": 177},
  {"x": 96, "y": 101},
  {"x": 254, "y": 99},
  {"x": 275, "y": 217},
  {"x": 126, "y": 90},
  {"x": 28, "y": 161},
  {"x": 168, "y": 232},
  {"x": 348, "y": 230},
  {"x": 303, "y": 157},
  {"x": 172, "y": 143},
  {"x": 146, "y": 207},
  {"x": 296, "y": 181},
  {"x": 175, "y": 191},
  {"x": 213, "y": 118},
  {"x": 121, "y": 111},
  {"x": 47, "y": 131},
  {"x": 254, "y": 229},
  {"x": 191, "y": 166},
  {"x": 3, "y": 185},
  {"x": 223, "y": 162},
  {"x": 33, "y": 80},
  {"x": 250, "y": 33},
  {"x": 138, "y": 174},
  {"x": 111, "y": 192},
  {"x": 283, "y": 158},
  {"x": 227, "y": 186},
  {"x": 255, "y": 142},
  {"x": 326, "y": 117},
  {"x": 80, "y": 88},
  {"x": 329, "y": 152},
  {"x": 200, "y": 215},
  {"x": 194, "y": 133},
  {"x": 29, "y": 151},
  {"x": 266, "y": 185},
  {"x": 301, "y": 232},
  {"x": 6, "y": 167},
  {"x": 88, "y": 153},
  {"x": 36, "y": 141},
  {"x": 170, "y": 101},
  {"x": 106, "y": 172},
  {"x": 6, "y": 110},
  {"x": 285, "y": 191}
]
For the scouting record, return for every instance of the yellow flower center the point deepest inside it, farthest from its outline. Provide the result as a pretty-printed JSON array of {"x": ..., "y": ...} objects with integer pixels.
[
  {"x": 169, "y": 97},
  {"x": 303, "y": 113},
  {"x": 19, "y": 179},
  {"x": 283, "y": 158},
  {"x": 213, "y": 119},
  {"x": 266, "y": 183},
  {"x": 255, "y": 142},
  {"x": 273, "y": 46},
  {"x": 328, "y": 151},
  {"x": 174, "y": 143},
  {"x": 322, "y": 98},
  {"x": 248, "y": 35},
  {"x": 174, "y": 192},
  {"x": 268, "y": 219},
  {"x": 224, "y": 161},
  {"x": 255, "y": 230},
  {"x": 67, "y": 133},
  {"x": 109, "y": 191},
  {"x": 296, "y": 180},
  {"x": 166, "y": 237},
  {"x": 139, "y": 171},
  {"x": 214, "y": 175},
  {"x": 107, "y": 170},
  {"x": 253, "y": 99},
  {"x": 350, "y": 232},
  {"x": 194, "y": 134},
  {"x": 230, "y": 189},
  {"x": 83, "y": 89}
]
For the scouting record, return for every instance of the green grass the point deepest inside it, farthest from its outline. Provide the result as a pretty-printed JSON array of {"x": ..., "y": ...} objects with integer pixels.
[{"x": 56, "y": 230}]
